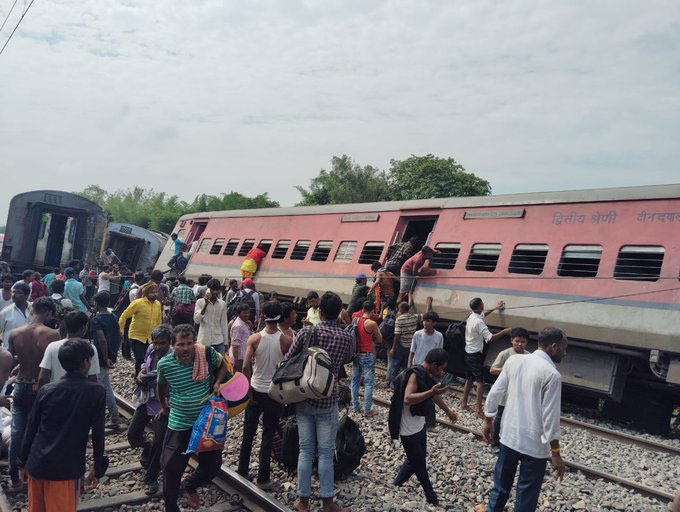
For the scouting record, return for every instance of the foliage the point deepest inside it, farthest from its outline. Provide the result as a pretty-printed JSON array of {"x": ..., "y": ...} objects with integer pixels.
[
  {"x": 157, "y": 210},
  {"x": 346, "y": 182},
  {"x": 417, "y": 177}
]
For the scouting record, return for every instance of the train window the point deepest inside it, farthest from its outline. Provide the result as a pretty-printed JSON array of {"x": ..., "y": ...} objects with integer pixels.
[
  {"x": 483, "y": 257},
  {"x": 281, "y": 249},
  {"x": 205, "y": 243},
  {"x": 371, "y": 252},
  {"x": 248, "y": 244},
  {"x": 322, "y": 250},
  {"x": 580, "y": 261},
  {"x": 265, "y": 245},
  {"x": 345, "y": 252},
  {"x": 300, "y": 250},
  {"x": 639, "y": 263},
  {"x": 217, "y": 246},
  {"x": 528, "y": 259},
  {"x": 448, "y": 257},
  {"x": 231, "y": 246}
]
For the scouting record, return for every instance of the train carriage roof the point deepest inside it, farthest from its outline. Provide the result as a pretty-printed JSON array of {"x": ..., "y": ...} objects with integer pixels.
[{"x": 566, "y": 196}]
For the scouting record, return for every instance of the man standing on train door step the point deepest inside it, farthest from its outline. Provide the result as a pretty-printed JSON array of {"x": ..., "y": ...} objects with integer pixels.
[
  {"x": 211, "y": 316},
  {"x": 363, "y": 364},
  {"x": 399, "y": 253},
  {"x": 185, "y": 379},
  {"x": 416, "y": 266},
  {"x": 519, "y": 337},
  {"x": 530, "y": 431},
  {"x": 476, "y": 335},
  {"x": 383, "y": 285},
  {"x": 54, "y": 450}
]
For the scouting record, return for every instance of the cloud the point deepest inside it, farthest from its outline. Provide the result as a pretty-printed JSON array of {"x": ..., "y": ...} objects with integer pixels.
[{"x": 256, "y": 97}]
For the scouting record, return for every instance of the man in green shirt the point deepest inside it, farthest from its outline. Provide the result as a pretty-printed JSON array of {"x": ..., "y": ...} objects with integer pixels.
[
  {"x": 187, "y": 394},
  {"x": 519, "y": 338}
]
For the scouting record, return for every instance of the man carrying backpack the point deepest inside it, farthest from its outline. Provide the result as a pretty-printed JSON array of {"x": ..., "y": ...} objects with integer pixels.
[
  {"x": 416, "y": 389},
  {"x": 363, "y": 364},
  {"x": 318, "y": 419},
  {"x": 248, "y": 296}
]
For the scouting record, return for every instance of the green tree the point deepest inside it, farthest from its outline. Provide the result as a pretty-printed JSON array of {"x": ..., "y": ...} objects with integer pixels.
[
  {"x": 346, "y": 182},
  {"x": 423, "y": 177}
]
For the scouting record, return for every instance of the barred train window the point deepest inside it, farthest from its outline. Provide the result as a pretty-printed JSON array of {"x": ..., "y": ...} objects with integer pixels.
[
  {"x": 265, "y": 245},
  {"x": 580, "y": 261},
  {"x": 528, "y": 259},
  {"x": 371, "y": 252},
  {"x": 231, "y": 246},
  {"x": 483, "y": 257},
  {"x": 248, "y": 244},
  {"x": 322, "y": 250},
  {"x": 639, "y": 263},
  {"x": 217, "y": 246},
  {"x": 449, "y": 255},
  {"x": 205, "y": 243},
  {"x": 281, "y": 249},
  {"x": 345, "y": 252},
  {"x": 300, "y": 250}
]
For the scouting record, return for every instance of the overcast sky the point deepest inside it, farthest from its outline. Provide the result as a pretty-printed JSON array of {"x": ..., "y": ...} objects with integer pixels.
[{"x": 213, "y": 96}]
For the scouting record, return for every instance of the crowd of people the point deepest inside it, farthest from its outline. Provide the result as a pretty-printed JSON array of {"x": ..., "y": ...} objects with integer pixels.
[{"x": 187, "y": 338}]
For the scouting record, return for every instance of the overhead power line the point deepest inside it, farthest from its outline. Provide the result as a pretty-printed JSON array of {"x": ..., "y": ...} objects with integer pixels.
[
  {"x": 16, "y": 26},
  {"x": 8, "y": 14}
]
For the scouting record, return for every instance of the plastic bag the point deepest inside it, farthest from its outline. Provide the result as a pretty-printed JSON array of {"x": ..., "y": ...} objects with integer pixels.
[{"x": 210, "y": 428}]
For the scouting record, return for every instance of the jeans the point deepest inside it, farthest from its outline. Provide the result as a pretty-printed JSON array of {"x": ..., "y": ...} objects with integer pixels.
[
  {"x": 104, "y": 380},
  {"x": 151, "y": 451},
  {"x": 138, "y": 351},
  {"x": 220, "y": 348},
  {"x": 24, "y": 396},
  {"x": 317, "y": 429},
  {"x": 531, "y": 473},
  {"x": 398, "y": 363},
  {"x": 260, "y": 404},
  {"x": 415, "y": 447},
  {"x": 174, "y": 462},
  {"x": 497, "y": 425},
  {"x": 363, "y": 364}
]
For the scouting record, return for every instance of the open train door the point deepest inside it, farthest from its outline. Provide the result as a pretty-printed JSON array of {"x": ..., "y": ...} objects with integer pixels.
[{"x": 415, "y": 225}]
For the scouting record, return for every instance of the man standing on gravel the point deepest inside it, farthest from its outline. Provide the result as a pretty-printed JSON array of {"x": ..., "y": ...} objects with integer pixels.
[
  {"x": 531, "y": 422},
  {"x": 211, "y": 316}
]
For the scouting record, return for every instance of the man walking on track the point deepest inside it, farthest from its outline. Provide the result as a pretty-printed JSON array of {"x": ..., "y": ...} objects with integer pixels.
[
  {"x": 146, "y": 315},
  {"x": 211, "y": 316},
  {"x": 530, "y": 432}
]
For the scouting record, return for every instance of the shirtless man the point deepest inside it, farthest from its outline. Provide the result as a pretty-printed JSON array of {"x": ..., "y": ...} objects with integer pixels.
[{"x": 27, "y": 345}]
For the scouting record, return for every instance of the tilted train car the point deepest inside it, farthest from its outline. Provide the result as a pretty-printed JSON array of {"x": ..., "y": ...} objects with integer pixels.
[
  {"x": 48, "y": 228},
  {"x": 137, "y": 247},
  {"x": 601, "y": 264}
]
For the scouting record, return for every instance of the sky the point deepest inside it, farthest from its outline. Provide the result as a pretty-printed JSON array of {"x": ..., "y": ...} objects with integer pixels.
[{"x": 257, "y": 96}]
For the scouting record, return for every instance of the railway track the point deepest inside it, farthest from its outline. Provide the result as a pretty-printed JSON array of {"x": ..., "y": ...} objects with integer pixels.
[
  {"x": 243, "y": 496},
  {"x": 604, "y": 432}
]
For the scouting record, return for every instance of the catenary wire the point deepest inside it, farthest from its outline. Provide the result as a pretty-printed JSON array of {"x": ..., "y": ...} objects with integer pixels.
[
  {"x": 16, "y": 27},
  {"x": 8, "y": 15}
]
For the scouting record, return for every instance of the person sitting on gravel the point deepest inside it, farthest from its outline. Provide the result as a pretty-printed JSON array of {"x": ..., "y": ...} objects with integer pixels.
[
  {"x": 415, "y": 389},
  {"x": 530, "y": 432},
  {"x": 149, "y": 408},
  {"x": 184, "y": 381},
  {"x": 267, "y": 349}
]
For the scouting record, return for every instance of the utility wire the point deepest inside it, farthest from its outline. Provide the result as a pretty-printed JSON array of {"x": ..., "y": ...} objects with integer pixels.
[
  {"x": 8, "y": 14},
  {"x": 16, "y": 26}
]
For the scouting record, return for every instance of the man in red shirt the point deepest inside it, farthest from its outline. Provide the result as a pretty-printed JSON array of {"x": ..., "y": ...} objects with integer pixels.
[
  {"x": 252, "y": 262},
  {"x": 416, "y": 265},
  {"x": 38, "y": 288},
  {"x": 363, "y": 363}
]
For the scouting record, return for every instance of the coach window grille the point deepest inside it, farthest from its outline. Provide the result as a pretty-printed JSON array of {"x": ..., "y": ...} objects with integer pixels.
[
  {"x": 322, "y": 250},
  {"x": 371, "y": 252},
  {"x": 345, "y": 252},
  {"x": 483, "y": 257},
  {"x": 217, "y": 246},
  {"x": 205, "y": 243},
  {"x": 528, "y": 259},
  {"x": 448, "y": 257},
  {"x": 281, "y": 249},
  {"x": 580, "y": 261},
  {"x": 265, "y": 245},
  {"x": 231, "y": 246},
  {"x": 300, "y": 250},
  {"x": 639, "y": 263},
  {"x": 248, "y": 244}
]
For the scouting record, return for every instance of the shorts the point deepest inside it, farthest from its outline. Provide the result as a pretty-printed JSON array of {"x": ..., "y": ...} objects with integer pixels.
[
  {"x": 474, "y": 366},
  {"x": 53, "y": 495},
  {"x": 407, "y": 283}
]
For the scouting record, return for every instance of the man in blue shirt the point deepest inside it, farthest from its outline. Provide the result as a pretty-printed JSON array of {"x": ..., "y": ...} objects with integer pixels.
[
  {"x": 178, "y": 244},
  {"x": 74, "y": 290}
]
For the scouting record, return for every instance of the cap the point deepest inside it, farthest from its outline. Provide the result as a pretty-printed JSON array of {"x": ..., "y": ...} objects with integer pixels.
[
  {"x": 92, "y": 274},
  {"x": 362, "y": 276},
  {"x": 69, "y": 271},
  {"x": 247, "y": 282}
]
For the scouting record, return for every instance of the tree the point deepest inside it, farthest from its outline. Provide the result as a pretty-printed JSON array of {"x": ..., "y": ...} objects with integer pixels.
[
  {"x": 423, "y": 177},
  {"x": 346, "y": 182}
]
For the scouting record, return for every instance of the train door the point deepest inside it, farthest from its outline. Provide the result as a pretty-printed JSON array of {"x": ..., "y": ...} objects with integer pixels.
[
  {"x": 56, "y": 236},
  {"x": 420, "y": 227},
  {"x": 195, "y": 232}
]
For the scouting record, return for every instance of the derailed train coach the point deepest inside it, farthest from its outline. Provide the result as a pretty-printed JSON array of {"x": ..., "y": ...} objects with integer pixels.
[
  {"x": 602, "y": 264},
  {"x": 49, "y": 228},
  {"x": 137, "y": 247}
]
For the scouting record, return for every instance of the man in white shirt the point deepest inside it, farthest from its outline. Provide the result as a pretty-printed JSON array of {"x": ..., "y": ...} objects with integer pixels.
[
  {"x": 16, "y": 315},
  {"x": 530, "y": 430},
  {"x": 476, "y": 335},
  {"x": 211, "y": 316},
  {"x": 104, "y": 280}
]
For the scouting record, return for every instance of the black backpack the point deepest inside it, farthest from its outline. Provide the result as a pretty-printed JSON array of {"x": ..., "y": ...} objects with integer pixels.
[
  {"x": 241, "y": 297},
  {"x": 353, "y": 330},
  {"x": 350, "y": 447},
  {"x": 454, "y": 344},
  {"x": 387, "y": 329},
  {"x": 290, "y": 445}
]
